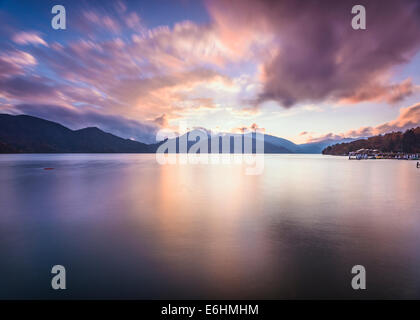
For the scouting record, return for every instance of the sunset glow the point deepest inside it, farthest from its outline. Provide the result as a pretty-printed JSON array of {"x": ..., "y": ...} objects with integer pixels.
[{"x": 299, "y": 71}]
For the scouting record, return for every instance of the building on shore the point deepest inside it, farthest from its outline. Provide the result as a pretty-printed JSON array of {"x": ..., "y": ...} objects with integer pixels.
[{"x": 376, "y": 154}]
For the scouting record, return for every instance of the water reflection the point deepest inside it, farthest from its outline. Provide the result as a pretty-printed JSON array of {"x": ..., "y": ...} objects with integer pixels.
[{"x": 126, "y": 227}]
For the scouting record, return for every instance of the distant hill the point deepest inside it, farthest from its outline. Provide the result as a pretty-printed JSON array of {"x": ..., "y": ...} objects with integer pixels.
[
  {"x": 317, "y": 147},
  {"x": 408, "y": 142},
  {"x": 273, "y": 145},
  {"x": 26, "y": 134},
  {"x": 5, "y": 148},
  {"x": 276, "y": 142}
]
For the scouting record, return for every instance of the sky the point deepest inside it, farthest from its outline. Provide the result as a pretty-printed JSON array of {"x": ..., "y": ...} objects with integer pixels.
[{"x": 297, "y": 70}]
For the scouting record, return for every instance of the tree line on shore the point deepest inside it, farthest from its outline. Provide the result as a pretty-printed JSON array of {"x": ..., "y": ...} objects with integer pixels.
[{"x": 407, "y": 142}]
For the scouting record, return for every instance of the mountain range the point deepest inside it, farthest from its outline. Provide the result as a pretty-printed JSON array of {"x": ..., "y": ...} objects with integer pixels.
[{"x": 28, "y": 134}]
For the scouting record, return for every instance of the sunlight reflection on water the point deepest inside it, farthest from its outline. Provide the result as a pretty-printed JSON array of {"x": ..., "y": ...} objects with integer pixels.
[{"x": 127, "y": 227}]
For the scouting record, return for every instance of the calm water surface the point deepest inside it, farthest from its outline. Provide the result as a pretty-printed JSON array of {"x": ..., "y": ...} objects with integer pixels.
[{"x": 126, "y": 227}]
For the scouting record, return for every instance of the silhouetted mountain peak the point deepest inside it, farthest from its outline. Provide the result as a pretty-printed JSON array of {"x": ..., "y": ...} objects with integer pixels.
[
  {"x": 90, "y": 129},
  {"x": 27, "y": 134}
]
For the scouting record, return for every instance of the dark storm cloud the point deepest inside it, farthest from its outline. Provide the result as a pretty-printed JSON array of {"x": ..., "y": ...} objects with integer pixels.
[{"x": 317, "y": 55}]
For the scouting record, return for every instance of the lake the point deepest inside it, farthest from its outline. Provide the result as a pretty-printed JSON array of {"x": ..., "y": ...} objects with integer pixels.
[{"x": 125, "y": 226}]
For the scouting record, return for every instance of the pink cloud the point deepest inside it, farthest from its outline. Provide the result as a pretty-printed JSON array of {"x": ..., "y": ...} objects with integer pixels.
[
  {"x": 153, "y": 76},
  {"x": 161, "y": 121},
  {"x": 133, "y": 21},
  {"x": 14, "y": 62},
  {"x": 29, "y": 37},
  {"x": 252, "y": 128},
  {"x": 408, "y": 118},
  {"x": 120, "y": 76},
  {"x": 93, "y": 21},
  {"x": 314, "y": 54},
  {"x": 390, "y": 93}
]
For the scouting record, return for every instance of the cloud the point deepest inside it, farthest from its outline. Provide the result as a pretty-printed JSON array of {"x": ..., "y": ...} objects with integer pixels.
[
  {"x": 8, "y": 69},
  {"x": 102, "y": 21},
  {"x": 408, "y": 118},
  {"x": 120, "y": 67},
  {"x": 252, "y": 128},
  {"x": 29, "y": 37},
  {"x": 316, "y": 55},
  {"x": 328, "y": 136},
  {"x": 159, "y": 73},
  {"x": 26, "y": 87},
  {"x": 388, "y": 93},
  {"x": 186, "y": 44},
  {"x": 161, "y": 121},
  {"x": 133, "y": 21},
  {"x": 14, "y": 62}
]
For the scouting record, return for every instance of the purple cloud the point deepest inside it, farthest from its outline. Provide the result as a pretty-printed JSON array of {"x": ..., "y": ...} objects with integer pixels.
[
  {"x": 316, "y": 55},
  {"x": 26, "y": 87}
]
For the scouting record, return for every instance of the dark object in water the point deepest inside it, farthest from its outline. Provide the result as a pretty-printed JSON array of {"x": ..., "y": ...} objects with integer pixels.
[{"x": 48, "y": 168}]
